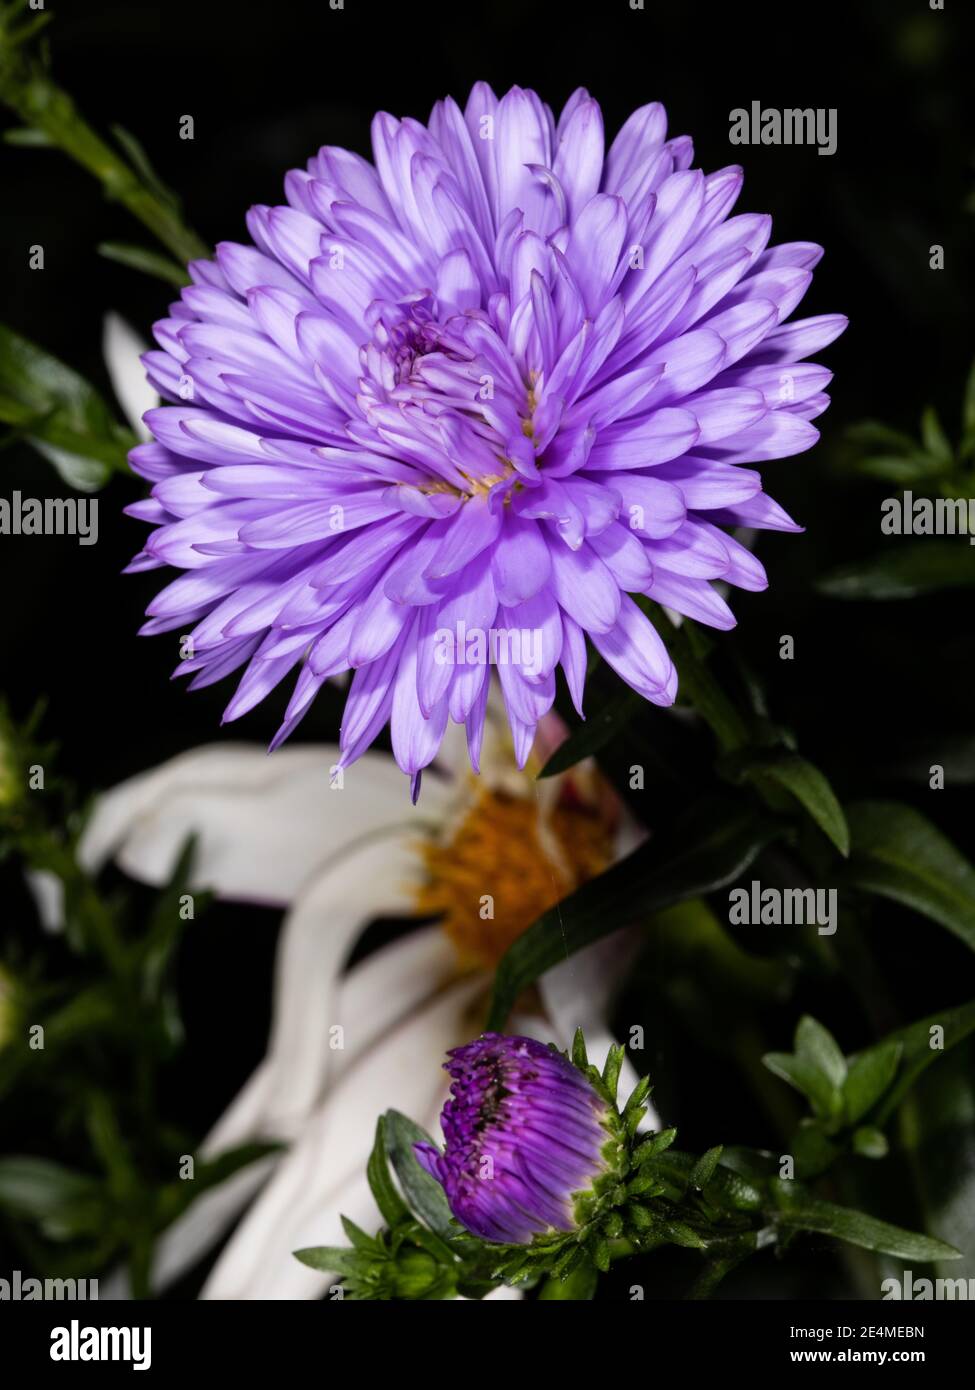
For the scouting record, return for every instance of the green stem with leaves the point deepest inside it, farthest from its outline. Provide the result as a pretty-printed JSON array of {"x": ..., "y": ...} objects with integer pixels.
[{"x": 51, "y": 118}]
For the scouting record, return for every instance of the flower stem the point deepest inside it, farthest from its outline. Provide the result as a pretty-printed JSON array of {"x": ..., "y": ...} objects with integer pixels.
[{"x": 44, "y": 107}]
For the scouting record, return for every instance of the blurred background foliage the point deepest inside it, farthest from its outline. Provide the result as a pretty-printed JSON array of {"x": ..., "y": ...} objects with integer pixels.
[{"x": 879, "y": 689}]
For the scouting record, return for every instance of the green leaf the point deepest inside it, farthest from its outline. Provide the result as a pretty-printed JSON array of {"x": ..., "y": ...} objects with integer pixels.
[
  {"x": 654, "y": 876},
  {"x": 149, "y": 262},
  {"x": 597, "y": 731},
  {"x": 424, "y": 1195},
  {"x": 922, "y": 566},
  {"x": 329, "y": 1259},
  {"x": 358, "y": 1239},
  {"x": 801, "y": 1212},
  {"x": 64, "y": 417},
  {"x": 807, "y": 1078},
  {"x": 870, "y": 1143},
  {"x": 27, "y": 136},
  {"x": 689, "y": 646},
  {"x": 873, "y": 434},
  {"x": 818, "y": 1046},
  {"x": 141, "y": 164},
  {"x": 612, "y": 1068},
  {"x": 940, "y": 1129},
  {"x": 394, "y": 1210},
  {"x": 818, "y": 1068},
  {"x": 64, "y": 1204},
  {"x": 809, "y": 787},
  {"x": 923, "y": 1043},
  {"x": 703, "y": 1170},
  {"x": 167, "y": 924},
  {"x": 898, "y": 854},
  {"x": 579, "y": 1286},
  {"x": 869, "y": 1075},
  {"x": 934, "y": 438},
  {"x": 813, "y": 1149},
  {"x": 654, "y": 1145},
  {"x": 213, "y": 1171},
  {"x": 902, "y": 469},
  {"x": 36, "y": 1187}
]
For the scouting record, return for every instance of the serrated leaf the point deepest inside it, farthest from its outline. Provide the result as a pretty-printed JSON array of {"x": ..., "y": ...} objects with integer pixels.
[{"x": 898, "y": 854}]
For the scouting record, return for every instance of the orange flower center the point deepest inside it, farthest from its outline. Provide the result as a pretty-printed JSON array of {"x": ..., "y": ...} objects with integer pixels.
[{"x": 501, "y": 871}]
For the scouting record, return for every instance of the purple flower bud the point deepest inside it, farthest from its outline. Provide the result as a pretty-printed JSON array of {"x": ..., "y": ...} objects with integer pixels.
[{"x": 525, "y": 1134}]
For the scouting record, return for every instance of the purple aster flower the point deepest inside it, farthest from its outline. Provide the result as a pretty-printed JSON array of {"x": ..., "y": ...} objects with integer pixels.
[
  {"x": 525, "y": 1135},
  {"x": 458, "y": 406}
]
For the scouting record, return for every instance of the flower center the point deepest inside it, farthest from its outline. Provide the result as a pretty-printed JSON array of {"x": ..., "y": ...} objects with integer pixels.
[
  {"x": 501, "y": 870},
  {"x": 445, "y": 395}
]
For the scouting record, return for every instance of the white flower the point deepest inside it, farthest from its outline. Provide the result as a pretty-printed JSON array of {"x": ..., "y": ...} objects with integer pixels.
[
  {"x": 122, "y": 349},
  {"x": 273, "y": 830}
]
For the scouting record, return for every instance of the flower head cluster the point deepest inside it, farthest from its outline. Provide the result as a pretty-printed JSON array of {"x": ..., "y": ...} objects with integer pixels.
[
  {"x": 457, "y": 407},
  {"x": 525, "y": 1134}
]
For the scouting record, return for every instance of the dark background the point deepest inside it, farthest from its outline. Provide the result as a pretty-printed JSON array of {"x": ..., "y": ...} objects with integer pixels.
[{"x": 266, "y": 85}]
